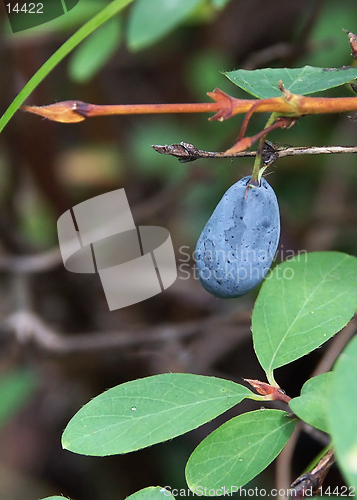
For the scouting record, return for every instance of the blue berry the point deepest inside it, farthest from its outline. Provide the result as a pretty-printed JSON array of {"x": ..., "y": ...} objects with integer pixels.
[{"x": 238, "y": 244}]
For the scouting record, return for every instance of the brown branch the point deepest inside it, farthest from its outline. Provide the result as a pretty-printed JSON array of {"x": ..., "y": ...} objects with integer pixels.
[
  {"x": 224, "y": 105},
  {"x": 287, "y": 108},
  {"x": 242, "y": 144},
  {"x": 28, "y": 328},
  {"x": 316, "y": 150},
  {"x": 77, "y": 111},
  {"x": 309, "y": 484},
  {"x": 186, "y": 152}
]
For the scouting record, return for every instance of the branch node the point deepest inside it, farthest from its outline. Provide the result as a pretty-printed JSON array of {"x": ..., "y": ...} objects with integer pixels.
[
  {"x": 285, "y": 92},
  {"x": 184, "y": 151},
  {"x": 227, "y": 104}
]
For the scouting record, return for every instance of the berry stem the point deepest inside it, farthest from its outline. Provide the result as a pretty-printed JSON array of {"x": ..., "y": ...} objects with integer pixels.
[{"x": 257, "y": 167}]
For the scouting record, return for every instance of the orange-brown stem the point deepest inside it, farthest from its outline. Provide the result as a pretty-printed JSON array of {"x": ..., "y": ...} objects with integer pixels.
[
  {"x": 77, "y": 111},
  {"x": 247, "y": 142},
  {"x": 322, "y": 105},
  {"x": 246, "y": 119},
  {"x": 135, "y": 109},
  {"x": 225, "y": 106}
]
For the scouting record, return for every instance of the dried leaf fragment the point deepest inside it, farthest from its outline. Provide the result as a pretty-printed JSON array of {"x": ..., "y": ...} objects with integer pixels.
[{"x": 353, "y": 43}]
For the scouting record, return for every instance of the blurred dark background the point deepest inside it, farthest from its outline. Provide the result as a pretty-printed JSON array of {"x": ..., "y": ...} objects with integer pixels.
[{"x": 59, "y": 343}]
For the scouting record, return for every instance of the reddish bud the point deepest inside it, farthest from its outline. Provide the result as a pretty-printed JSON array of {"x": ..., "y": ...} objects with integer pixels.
[
  {"x": 270, "y": 392},
  {"x": 64, "y": 112},
  {"x": 261, "y": 387}
]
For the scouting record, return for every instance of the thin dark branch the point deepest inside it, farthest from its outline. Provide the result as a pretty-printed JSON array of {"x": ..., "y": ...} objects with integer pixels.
[
  {"x": 309, "y": 484},
  {"x": 186, "y": 152}
]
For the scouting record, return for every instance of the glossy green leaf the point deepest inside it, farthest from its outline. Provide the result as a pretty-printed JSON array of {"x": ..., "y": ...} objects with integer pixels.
[
  {"x": 312, "y": 405},
  {"x": 151, "y": 493},
  {"x": 150, "y": 21},
  {"x": 264, "y": 83},
  {"x": 92, "y": 55},
  {"x": 147, "y": 411},
  {"x": 343, "y": 412},
  {"x": 238, "y": 451},
  {"x": 302, "y": 303}
]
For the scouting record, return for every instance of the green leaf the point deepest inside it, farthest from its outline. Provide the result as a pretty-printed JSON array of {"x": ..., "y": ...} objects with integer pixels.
[
  {"x": 151, "y": 493},
  {"x": 92, "y": 55},
  {"x": 264, "y": 83},
  {"x": 55, "y": 498},
  {"x": 147, "y": 411},
  {"x": 150, "y": 21},
  {"x": 312, "y": 405},
  {"x": 303, "y": 303},
  {"x": 343, "y": 411},
  {"x": 237, "y": 451}
]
